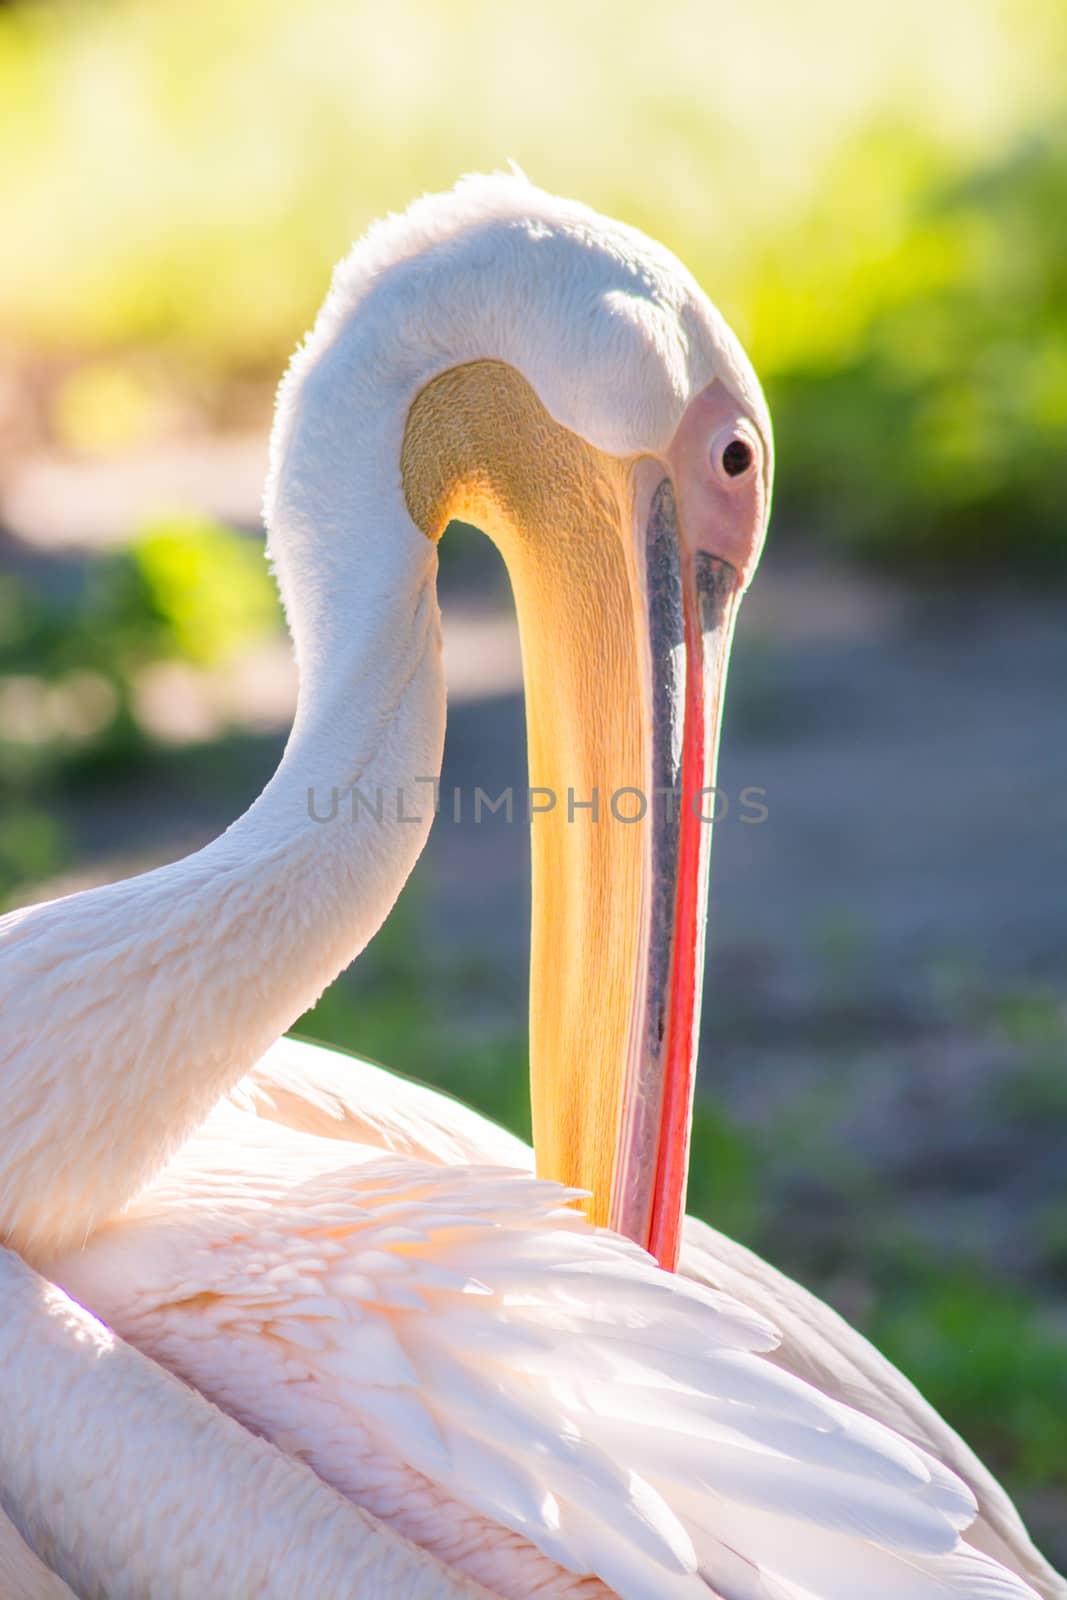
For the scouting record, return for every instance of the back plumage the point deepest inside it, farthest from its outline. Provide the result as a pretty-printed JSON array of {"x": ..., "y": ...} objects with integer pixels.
[{"x": 459, "y": 1351}]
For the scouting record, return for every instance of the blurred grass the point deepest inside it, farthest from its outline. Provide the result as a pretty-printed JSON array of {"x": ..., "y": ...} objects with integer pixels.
[
  {"x": 989, "y": 1358},
  {"x": 183, "y": 590},
  {"x": 937, "y": 437},
  {"x": 388, "y": 1013},
  {"x": 206, "y": 588}
]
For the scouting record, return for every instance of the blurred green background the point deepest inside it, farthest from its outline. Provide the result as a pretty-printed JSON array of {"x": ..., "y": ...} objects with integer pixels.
[{"x": 876, "y": 196}]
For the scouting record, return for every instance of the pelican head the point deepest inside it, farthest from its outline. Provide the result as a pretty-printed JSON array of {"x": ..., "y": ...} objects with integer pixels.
[{"x": 501, "y": 356}]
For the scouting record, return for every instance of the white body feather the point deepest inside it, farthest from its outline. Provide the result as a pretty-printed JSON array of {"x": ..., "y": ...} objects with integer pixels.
[
  {"x": 528, "y": 1398},
  {"x": 130, "y": 1485}
]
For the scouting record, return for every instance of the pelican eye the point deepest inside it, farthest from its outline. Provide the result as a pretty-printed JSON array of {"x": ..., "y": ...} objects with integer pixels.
[{"x": 737, "y": 457}]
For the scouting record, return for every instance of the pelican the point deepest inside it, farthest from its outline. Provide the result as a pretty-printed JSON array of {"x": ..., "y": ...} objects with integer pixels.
[{"x": 496, "y": 1378}]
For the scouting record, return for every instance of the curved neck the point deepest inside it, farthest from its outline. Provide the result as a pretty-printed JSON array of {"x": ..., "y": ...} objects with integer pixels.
[{"x": 128, "y": 1010}]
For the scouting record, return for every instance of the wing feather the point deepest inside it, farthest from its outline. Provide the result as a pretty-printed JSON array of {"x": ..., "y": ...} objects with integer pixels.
[
  {"x": 325, "y": 1092},
  {"x": 476, "y": 1330}
]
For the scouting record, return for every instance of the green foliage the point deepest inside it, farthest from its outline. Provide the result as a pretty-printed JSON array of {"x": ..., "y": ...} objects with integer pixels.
[
  {"x": 1034, "y": 1019},
  {"x": 207, "y": 588},
  {"x": 388, "y": 1010},
  {"x": 1034, "y": 1022},
  {"x": 31, "y": 847},
  {"x": 184, "y": 589},
  {"x": 53, "y": 661},
  {"x": 935, "y": 435},
  {"x": 1052, "y": 1235},
  {"x": 984, "y": 1354},
  {"x": 724, "y": 1186}
]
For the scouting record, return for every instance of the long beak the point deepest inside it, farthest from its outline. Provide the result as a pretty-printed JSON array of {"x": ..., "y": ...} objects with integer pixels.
[
  {"x": 625, "y": 627},
  {"x": 619, "y": 903},
  {"x": 692, "y": 600}
]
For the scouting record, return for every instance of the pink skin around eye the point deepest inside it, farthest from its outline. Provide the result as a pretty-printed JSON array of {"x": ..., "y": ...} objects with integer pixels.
[{"x": 723, "y": 515}]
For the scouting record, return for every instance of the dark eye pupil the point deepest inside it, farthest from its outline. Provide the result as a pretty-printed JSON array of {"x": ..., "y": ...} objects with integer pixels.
[{"x": 736, "y": 458}]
